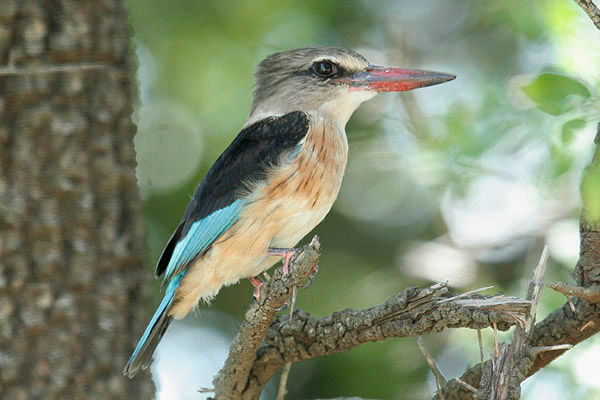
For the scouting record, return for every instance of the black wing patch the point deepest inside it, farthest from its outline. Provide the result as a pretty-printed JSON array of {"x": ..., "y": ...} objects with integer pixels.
[{"x": 248, "y": 158}]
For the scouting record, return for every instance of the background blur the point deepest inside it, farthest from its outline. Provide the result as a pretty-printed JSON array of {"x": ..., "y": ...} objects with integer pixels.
[{"x": 462, "y": 182}]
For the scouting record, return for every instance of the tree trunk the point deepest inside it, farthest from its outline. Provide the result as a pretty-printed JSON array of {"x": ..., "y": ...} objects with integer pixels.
[{"x": 72, "y": 275}]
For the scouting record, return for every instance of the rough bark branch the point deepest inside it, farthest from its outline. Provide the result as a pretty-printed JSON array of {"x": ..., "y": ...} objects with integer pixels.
[
  {"x": 411, "y": 312},
  {"x": 575, "y": 321},
  {"x": 232, "y": 379},
  {"x": 591, "y": 294},
  {"x": 591, "y": 10}
]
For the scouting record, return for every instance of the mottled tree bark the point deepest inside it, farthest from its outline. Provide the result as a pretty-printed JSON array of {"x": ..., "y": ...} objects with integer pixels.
[{"x": 71, "y": 232}]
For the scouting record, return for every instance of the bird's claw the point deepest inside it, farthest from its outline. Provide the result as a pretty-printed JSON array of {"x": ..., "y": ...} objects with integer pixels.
[
  {"x": 313, "y": 272},
  {"x": 258, "y": 285},
  {"x": 287, "y": 255}
]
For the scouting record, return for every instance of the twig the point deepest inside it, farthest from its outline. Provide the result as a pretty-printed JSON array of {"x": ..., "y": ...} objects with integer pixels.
[
  {"x": 286, "y": 368},
  {"x": 293, "y": 302},
  {"x": 283, "y": 381},
  {"x": 466, "y": 385},
  {"x": 439, "y": 377},
  {"x": 466, "y": 294},
  {"x": 589, "y": 293},
  {"x": 506, "y": 376},
  {"x": 540, "y": 349},
  {"x": 496, "y": 352},
  {"x": 535, "y": 287},
  {"x": 591, "y": 10},
  {"x": 480, "y": 340},
  {"x": 586, "y": 325}
]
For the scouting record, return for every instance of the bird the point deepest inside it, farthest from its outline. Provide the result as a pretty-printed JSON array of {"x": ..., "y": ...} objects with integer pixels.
[{"x": 274, "y": 183}]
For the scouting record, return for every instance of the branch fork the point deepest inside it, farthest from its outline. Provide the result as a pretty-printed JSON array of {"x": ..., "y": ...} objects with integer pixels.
[{"x": 265, "y": 343}]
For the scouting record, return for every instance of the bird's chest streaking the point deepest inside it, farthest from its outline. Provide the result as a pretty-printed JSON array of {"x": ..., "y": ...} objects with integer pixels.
[
  {"x": 296, "y": 196},
  {"x": 299, "y": 195}
]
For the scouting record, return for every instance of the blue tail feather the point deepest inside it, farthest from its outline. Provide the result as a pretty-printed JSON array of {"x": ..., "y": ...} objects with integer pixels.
[{"x": 142, "y": 355}]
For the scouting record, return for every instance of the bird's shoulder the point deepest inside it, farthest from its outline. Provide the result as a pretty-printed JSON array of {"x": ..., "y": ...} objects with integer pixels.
[{"x": 256, "y": 149}]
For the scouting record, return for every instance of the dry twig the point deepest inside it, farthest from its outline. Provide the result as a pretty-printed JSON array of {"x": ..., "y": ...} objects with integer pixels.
[
  {"x": 506, "y": 375},
  {"x": 589, "y": 293},
  {"x": 437, "y": 373}
]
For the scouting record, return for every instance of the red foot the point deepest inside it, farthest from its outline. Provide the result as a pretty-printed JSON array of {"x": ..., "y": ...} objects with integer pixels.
[
  {"x": 258, "y": 285},
  {"x": 311, "y": 277},
  {"x": 286, "y": 254}
]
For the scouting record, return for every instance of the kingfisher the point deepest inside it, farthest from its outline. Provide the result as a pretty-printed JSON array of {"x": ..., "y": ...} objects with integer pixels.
[{"x": 275, "y": 182}]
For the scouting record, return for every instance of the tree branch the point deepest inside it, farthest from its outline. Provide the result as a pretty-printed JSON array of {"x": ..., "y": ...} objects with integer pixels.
[
  {"x": 590, "y": 293},
  {"x": 573, "y": 322},
  {"x": 232, "y": 379},
  {"x": 591, "y": 10},
  {"x": 411, "y": 312}
]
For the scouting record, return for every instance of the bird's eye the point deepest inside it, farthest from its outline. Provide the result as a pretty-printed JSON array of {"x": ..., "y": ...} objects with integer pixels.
[{"x": 325, "y": 68}]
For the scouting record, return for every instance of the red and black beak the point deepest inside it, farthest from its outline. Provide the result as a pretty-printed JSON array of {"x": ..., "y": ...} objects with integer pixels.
[{"x": 390, "y": 79}]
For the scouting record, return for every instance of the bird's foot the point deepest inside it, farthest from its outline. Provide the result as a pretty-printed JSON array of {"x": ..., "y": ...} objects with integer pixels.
[
  {"x": 311, "y": 277},
  {"x": 287, "y": 255},
  {"x": 258, "y": 285}
]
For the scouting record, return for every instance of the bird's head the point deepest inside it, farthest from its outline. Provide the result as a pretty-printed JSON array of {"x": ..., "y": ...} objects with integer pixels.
[{"x": 329, "y": 81}]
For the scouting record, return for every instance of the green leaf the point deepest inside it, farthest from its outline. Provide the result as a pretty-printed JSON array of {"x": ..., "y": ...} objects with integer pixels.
[
  {"x": 562, "y": 161},
  {"x": 569, "y": 128},
  {"x": 551, "y": 93}
]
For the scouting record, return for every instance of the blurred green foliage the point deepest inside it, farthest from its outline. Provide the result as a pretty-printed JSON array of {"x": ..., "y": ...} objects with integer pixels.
[
  {"x": 483, "y": 169},
  {"x": 551, "y": 93}
]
